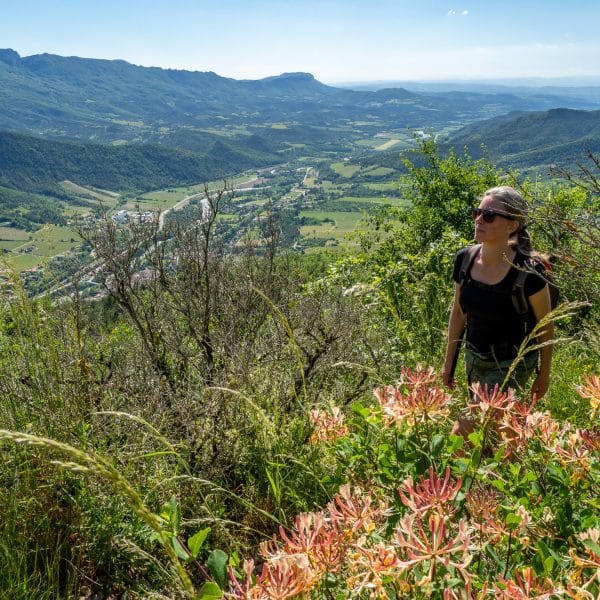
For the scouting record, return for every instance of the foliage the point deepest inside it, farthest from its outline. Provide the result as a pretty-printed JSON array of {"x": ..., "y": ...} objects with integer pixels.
[{"x": 509, "y": 513}]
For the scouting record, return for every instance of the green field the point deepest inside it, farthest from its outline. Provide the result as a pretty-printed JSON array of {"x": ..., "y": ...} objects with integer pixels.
[
  {"x": 345, "y": 169},
  {"x": 391, "y": 186},
  {"x": 343, "y": 224},
  {"x": 46, "y": 243},
  {"x": 387, "y": 145}
]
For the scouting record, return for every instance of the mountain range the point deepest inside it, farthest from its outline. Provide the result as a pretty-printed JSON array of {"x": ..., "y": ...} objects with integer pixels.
[{"x": 107, "y": 100}]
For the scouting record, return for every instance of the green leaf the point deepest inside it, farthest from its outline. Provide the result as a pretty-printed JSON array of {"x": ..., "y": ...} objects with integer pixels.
[
  {"x": 217, "y": 565},
  {"x": 361, "y": 410},
  {"x": 196, "y": 542},
  {"x": 512, "y": 520},
  {"x": 549, "y": 565},
  {"x": 455, "y": 442},
  {"x": 593, "y": 546},
  {"x": 179, "y": 549},
  {"x": 209, "y": 591}
]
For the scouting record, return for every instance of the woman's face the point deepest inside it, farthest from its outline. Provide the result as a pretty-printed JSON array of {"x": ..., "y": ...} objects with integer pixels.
[{"x": 500, "y": 229}]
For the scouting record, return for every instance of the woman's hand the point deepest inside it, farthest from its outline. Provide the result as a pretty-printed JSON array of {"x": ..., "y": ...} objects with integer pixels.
[{"x": 540, "y": 385}]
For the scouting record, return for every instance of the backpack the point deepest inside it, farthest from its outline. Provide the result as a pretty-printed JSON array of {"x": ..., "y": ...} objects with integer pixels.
[{"x": 537, "y": 263}]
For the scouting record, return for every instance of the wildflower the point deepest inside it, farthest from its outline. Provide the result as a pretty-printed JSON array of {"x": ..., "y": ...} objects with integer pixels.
[
  {"x": 282, "y": 578},
  {"x": 355, "y": 511},
  {"x": 515, "y": 429},
  {"x": 482, "y": 503},
  {"x": 525, "y": 586},
  {"x": 589, "y": 438},
  {"x": 241, "y": 590},
  {"x": 546, "y": 429},
  {"x": 435, "y": 546},
  {"x": 591, "y": 391},
  {"x": 491, "y": 404},
  {"x": 419, "y": 405},
  {"x": 574, "y": 454},
  {"x": 420, "y": 377},
  {"x": 318, "y": 539},
  {"x": 586, "y": 564},
  {"x": 370, "y": 565},
  {"x": 328, "y": 427},
  {"x": 433, "y": 494}
]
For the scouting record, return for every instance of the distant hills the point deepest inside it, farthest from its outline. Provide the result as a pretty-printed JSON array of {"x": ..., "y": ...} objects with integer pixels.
[
  {"x": 107, "y": 100},
  {"x": 541, "y": 139}
]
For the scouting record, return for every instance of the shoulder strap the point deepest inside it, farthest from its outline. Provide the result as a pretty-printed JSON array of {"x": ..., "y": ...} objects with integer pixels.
[
  {"x": 519, "y": 300},
  {"x": 467, "y": 261}
]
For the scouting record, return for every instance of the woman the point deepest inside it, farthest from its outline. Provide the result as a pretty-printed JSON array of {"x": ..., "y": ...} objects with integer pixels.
[{"x": 484, "y": 303}]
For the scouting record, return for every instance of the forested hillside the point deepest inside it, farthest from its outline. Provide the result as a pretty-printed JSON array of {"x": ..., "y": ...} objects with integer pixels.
[
  {"x": 35, "y": 164},
  {"x": 521, "y": 140}
]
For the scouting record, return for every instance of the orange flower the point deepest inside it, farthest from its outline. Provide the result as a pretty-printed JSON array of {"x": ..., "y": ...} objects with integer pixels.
[
  {"x": 590, "y": 438},
  {"x": 328, "y": 427},
  {"x": 491, "y": 404},
  {"x": 591, "y": 391},
  {"x": 433, "y": 494},
  {"x": 525, "y": 586},
  {"x": 355, "y": 511},
  {"x": 435, "y": 545},
  {"x": 419, "y": 405},
  {"x": 280, "y": 579},
  {"x": 369, "y": 565},
  {"x": 317, "y": 538}
]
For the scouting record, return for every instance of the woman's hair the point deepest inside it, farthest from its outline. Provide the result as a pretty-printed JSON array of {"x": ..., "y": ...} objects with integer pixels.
[{"x": 516, "y": 206}]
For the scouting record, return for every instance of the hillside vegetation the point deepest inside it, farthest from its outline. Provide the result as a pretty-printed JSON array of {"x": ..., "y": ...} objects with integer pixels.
[{"x": 218, "y": 407}]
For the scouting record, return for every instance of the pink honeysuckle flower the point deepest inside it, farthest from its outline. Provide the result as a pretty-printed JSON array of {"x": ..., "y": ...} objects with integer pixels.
[
  {"x": 368, "y": 566},
  {"x": 420, "y": 377},
  {"x": 515, "y": 428},
  {"x": 419, "y": 405},
  {"x": 574, "y": 454},
  {"x": 328, "y": 426},
  {"x": 591, "y": 391},
  {"x": 525, "y": 586},
  {"x": 491, "y": 403},
  {"x": 432, "y": 494},
  {"x": 434, "y": 545},
  {"x": 319, "y": 539},
  {"x": 355, "y": 511},
  {"x": 546, "y": 429},
  {"x": 589, "y": 438},
  {"x": 283, "y": 578},
  {"x": 482, "y": 502},
  {"x": 586, "y": 568}
]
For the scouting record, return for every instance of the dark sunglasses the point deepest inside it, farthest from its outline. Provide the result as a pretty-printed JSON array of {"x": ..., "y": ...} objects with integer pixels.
[{"x": 489, "y": 214}]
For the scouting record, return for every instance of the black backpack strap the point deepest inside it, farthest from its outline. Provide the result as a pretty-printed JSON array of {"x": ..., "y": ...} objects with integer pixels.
[
  {"x": 467, "y": 261},
  {"x": 519, "y": 300}
]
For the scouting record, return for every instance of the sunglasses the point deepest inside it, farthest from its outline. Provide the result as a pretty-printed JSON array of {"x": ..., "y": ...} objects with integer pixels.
[{"x": 489, "y": 214}]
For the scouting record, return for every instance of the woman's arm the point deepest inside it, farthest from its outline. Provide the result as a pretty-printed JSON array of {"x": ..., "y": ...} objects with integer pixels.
[
  {"x": 540, "y": 303},
  {"x": 456, "y": 326}
]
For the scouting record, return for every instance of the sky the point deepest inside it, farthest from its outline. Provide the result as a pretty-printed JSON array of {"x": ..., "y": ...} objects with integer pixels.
[{"x": 338, "y": 41}]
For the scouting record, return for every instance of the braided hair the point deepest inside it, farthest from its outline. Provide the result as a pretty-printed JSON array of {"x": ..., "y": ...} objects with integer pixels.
[{"x": 516, "y": 206}]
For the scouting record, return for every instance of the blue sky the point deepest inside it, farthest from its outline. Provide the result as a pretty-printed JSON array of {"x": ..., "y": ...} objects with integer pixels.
[{"x": 335, "y": 40}]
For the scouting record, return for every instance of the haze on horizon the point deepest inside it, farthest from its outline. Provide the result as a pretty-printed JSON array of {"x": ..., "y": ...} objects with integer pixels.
[{"x": 336, "y": 40}]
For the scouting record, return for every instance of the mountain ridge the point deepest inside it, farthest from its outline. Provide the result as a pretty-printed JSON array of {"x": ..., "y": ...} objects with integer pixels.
[{"x": 108, "y": 100}]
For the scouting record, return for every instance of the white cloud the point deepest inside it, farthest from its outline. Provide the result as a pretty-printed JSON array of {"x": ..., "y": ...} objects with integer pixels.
[
  {"x": 454, "y": 13},
  {"x": 451, "y": 13},
  {"x": 464, "y": 13}
]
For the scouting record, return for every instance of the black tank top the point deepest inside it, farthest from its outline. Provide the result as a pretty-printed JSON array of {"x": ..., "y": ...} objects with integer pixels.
[{"x": 493, "y": 325}]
